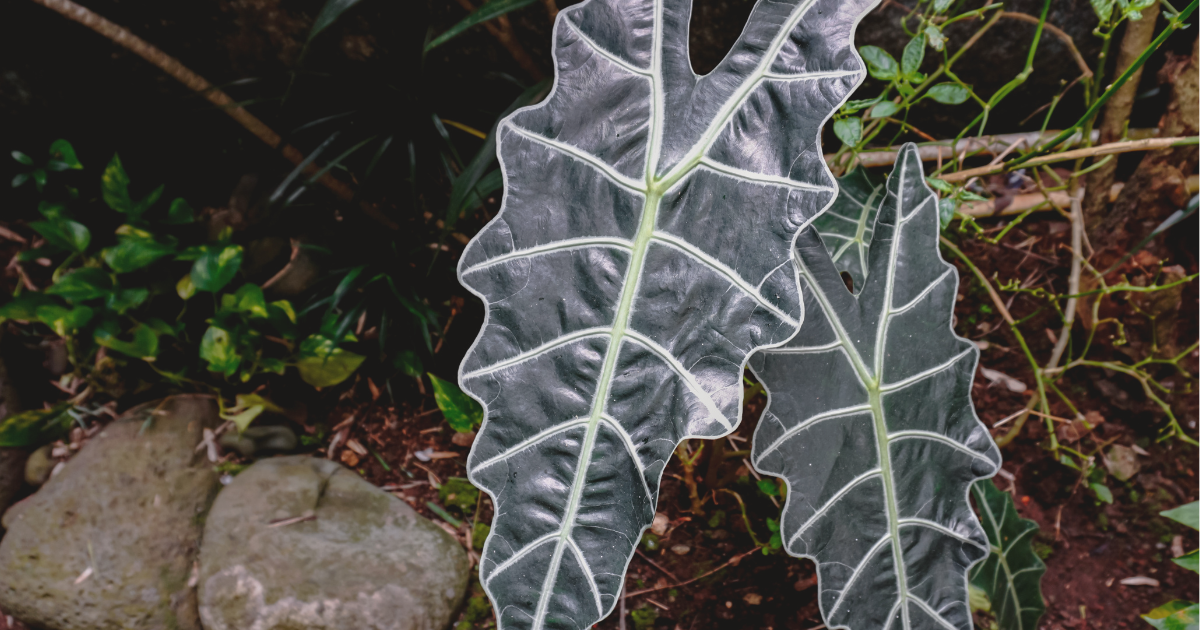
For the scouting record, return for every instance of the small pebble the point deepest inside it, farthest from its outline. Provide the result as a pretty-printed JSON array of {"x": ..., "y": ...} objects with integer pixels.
[{"x": 681, "y": 550}]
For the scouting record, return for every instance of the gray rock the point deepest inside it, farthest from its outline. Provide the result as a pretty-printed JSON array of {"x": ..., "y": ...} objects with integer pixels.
[
  {"x": 111, "y": 541},
  {"x": 12, "y": 475},
  {"x": 297, "y": 542}
]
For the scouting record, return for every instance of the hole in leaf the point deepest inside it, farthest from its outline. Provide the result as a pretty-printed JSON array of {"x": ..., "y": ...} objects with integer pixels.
[
  {"x": 848, "y": 280},
  {"x": 714, "y": 28}
]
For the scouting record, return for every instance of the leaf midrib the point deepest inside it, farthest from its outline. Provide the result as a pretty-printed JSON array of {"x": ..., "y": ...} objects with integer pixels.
[{"x": 654, "y": 190}]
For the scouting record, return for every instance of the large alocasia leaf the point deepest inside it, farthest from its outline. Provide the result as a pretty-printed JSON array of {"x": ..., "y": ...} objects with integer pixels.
[
  {"x": 870, "y": 422},
  {"x": 1012, "y": 574},
  {"x": 641, "y": 254},
  {"x": 846, "y": 226}
]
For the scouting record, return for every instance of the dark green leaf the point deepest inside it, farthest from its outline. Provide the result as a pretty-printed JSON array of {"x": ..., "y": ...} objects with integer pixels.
[
  {"x": 64, "y": 321},
  {"x": 848, "y": 130},
  {"x": 946, "y": 209},
  {"x": 122, "y": 300},
  {"x": 114, "y": 186},
  {"x": 409, "y": 364},
  {"x": 62, "y": 151},
  {"x": 880, "y": 64},
  {"x": 64, "y": 234},
  {"x": 466, "y": 191},
  {"x": 330, "y": 12},
  {"x": 35, "y": 427},
  {"x": 19, "y": 178},
  {"x": 914, "y": 54},
  {"x": 52, "y": 211},
  {"x": 25, "y": 306},
  {"x": 1102, "y": 492},
  {"x": 82, "y": 284},
  {"x": 249, "y": 299},
  {"x": 1189, "y": 561},
  {"x": 39, "y": 178},
  {"x": 142, "y": 206},
  {"x": 1011, "y": 576},
  {"x": 949, "y": 93},
  {"x": 180, "y": 212},
  {"x": 143, "y": 345},
  {"x": 220, "y": 350},
  {"x": 283, "y": 318},
  {"x": 323, "y": 364},
  {"x": 135, "y": 252},
  {"x": 884, "y": 109},
  {"x": 22, "y": 158},
  {"x": 461, "y": 411},
  {"x": 490, "y": 10},
  {"x": 216, "y": 267},
  {"x": 859, "y": 105}
]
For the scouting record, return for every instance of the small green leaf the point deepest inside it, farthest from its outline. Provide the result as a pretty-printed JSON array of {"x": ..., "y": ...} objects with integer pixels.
[
  {"x": 1189, "y": 561},
  {"x": 142, "y": 206},
  {"x": 1102, "y": 492},
  {"x": 114, "y": 186},
  {"x": 64, "y": 234},
  {"x": 216, "y": 267},
  {"x": 121, "y": 300},
  {"x": 243, "y": 418},
  {"x": 461, "y": 411},
  {"x": 249, "y": 299},
  {"x": 880, "y": 64},
  {"x": 82, "y": 284},
  {"x": 65, "y": 321},
  {"x": 144, "y": 344},
  {"x": 323, "y": 364},
  {"x": 1186, "y": 514},
  {"x": 25, "y": 306},
  {"x": 941, "y": 5},
  {"x": 1175, "y": 615},
  {"x": 458, "y": 492},
  {"x": 409, "y": 364},
  {"x": 62, "y": 151},
  {"x": 848, "y": 130},
  {"x": 39, "y": 178},
  {"x": 768, "y": 487},
  {"x": 914, "y": 54},
  {"x": 934, "y": 36},
  {"x": 180, "y": 212},
  {"x": 884, "y": 109},
  {"x": 939, "y": 185},
  {"x": 134, "y": 252},
  {"x": 283, "y": 318},
  {"x": 35, "y": 427},
  {"x": 330, "y": 12},
  {"x": 19, "y": 178},
  {"x": 948, "y": 93},
  {"x": 219, "y": 349},
  {"x": 22, "y": 158},
  {"x": 946, "y": 209},
  {"x": 859, "y": 105},
  {"x": 185, "y": 288}
]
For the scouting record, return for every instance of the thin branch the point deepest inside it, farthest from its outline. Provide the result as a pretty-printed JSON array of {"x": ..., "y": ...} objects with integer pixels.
[
  {"x": 1113, "y": 148},
  {"x": 1057, "y": 32},
  {"x": 140, "y": 47},
  {"x": 731, "y": 561}
]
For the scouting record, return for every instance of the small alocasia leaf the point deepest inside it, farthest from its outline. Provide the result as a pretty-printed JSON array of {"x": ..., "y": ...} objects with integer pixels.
[
  {"x": 870, "y": 422},
  {"x": 641, "y": 254},
  {"x": 1012, "y": 573},
  {"x": 462, "y": 413},
  {"x": 847, "y": 225}
]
